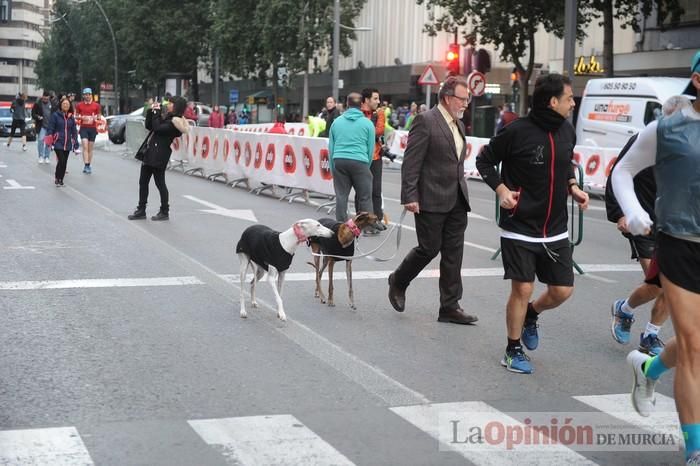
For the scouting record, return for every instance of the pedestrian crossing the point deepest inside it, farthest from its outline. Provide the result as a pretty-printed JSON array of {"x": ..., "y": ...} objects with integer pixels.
[{"x": 284, "y": 439}]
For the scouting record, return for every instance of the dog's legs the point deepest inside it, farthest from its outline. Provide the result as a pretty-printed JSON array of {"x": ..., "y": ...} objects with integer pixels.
[
  {"x": 315, "y": 249},
  {"x": 272, "y": 275},
  {"x": 244, "y": 261},
  {"x": 258, "y": 273},
  {"x": 321, "y": 296},
  {"x": 280, "y": 282},
  {"x": 331, "y": 263},
  {"x": 348, "y": 275}
]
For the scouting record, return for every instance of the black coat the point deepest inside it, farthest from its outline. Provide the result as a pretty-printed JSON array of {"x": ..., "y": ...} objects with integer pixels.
[
  {"x": 537, "y": 164},
  {"x": 165, "y": 130},
  {"x": 331, "y": 246}
]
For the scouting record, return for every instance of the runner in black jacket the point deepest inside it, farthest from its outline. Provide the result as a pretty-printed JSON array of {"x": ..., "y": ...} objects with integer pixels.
[{"x": 536, "y": 177}]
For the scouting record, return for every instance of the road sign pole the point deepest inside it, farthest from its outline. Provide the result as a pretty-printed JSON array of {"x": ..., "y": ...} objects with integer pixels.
[{"x": 428, "y": 91}]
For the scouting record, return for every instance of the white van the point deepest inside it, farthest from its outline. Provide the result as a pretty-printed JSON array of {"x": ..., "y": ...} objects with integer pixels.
[{"x": 614, "y": 109}]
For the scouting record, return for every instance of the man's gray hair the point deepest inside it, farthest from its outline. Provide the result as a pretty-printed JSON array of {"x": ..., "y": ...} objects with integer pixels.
[
  {"x": 448, "y": 87},
  {"x": 675, "y": 103}
]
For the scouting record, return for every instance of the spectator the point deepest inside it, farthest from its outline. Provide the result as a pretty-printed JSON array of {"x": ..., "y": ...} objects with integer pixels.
[
  {"x": 278, "y": 127},
  {"x": 232, "y": 117},
  {"x": 216, "y": 119},
  {"x": 507, "y": 117},
  {"x": 41, "y": 114},
  {"x": 350, "y": 145},
  {"x": 370, "y": 103},
  {"x": 329, "y": 114},
  {"x": 164, "y": 129},
  {"x": 191, "y": 112}
]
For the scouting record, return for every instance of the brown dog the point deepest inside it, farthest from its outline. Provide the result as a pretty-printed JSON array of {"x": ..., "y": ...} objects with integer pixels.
[{"x": 342, "y": 243}]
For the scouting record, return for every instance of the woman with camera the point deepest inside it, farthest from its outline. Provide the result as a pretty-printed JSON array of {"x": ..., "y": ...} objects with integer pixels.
[{"x": 163, "y": 130}]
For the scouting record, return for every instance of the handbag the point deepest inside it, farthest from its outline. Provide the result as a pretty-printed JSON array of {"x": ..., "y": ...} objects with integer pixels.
[{"x": 141, "y": 153}]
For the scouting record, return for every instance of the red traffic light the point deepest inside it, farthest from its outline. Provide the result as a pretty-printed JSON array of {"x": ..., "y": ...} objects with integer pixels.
[{"x": 452, "y": 58}]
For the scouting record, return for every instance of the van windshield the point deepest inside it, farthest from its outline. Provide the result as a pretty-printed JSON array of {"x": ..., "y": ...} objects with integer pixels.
[{"x": 652, "y": 112}]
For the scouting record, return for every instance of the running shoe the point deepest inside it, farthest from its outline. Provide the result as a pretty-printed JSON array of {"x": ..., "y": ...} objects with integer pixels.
[
  {"x": 85, "y": 169},
  {"x": 621, "y": 323},
  {"x": 88, "y": 170},
  {"x": 24, "y": 147},
  {"x": 693, "y": 459},
  {"x": 517, "y": 361},
  {"x": 651, "y": 345},
  {"x": 529, "y": 336},
  {"x": 643, "y": 398}
]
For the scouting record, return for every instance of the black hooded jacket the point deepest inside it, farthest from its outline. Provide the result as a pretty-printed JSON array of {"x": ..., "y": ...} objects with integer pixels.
[{"x": 535, "y": 154}]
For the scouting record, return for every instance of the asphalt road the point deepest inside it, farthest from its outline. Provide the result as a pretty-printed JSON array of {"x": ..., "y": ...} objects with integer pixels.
[{"x": 122, "y": 342}]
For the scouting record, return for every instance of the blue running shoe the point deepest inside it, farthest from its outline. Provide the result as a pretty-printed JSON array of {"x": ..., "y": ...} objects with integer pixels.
[
  {"x": 621, "y": 323},
  {"x": 88, "y": 170},
  {"x": 516, "y": 360},
  {"x": 651, "y": 345},
  {"x": 529, "y": 336}
]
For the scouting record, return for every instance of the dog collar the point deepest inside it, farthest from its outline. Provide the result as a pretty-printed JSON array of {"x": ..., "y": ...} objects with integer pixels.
[
  {"x": 354, "y": 228},
  {"x": 299, "y": 233}
]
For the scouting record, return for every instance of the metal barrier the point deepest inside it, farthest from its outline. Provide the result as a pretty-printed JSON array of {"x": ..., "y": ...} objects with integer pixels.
[{"x": 575, "y": 235}]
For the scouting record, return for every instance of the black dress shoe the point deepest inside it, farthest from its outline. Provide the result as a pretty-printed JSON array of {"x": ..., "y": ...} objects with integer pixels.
[
  {"x": 397, "y": 296},
  {"x": 160, "y": 216},
  {"x": 457, "y": 316}
]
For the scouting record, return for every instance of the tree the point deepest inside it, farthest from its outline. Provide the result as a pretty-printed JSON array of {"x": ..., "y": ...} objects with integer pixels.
[
  {"x": 509, "y": 25},
  {"x": 628, "y": 12},
  {"x": 252, "y": 39}
]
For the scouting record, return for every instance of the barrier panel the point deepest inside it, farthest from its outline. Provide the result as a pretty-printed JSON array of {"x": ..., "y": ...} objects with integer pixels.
[
  {"x": 597, "y": 162},
  {"x": 269, "y": 159},
  {"x": 293, "y": 129}
]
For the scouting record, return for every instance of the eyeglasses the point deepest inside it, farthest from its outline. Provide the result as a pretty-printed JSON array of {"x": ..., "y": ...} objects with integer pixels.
[{"x": 465, "y": 100}]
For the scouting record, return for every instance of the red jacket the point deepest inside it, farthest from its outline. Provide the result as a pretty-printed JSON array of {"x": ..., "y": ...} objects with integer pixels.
[
  {"x": 278, "y": 128},
  {"x": 216, "y": 120},
  {"x": 190, "y": 114}
]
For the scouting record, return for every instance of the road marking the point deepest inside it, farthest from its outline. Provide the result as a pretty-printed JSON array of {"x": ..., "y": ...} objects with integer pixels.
[
  {"x": 597, "y": 278},
  {"x": 15, "y": 185},
  {"x": 99, "y": 283},
  {"x": 53, "y": 446},
  {"x": 436, "y": 421},
  {"x": 289, "y": 277},
  {"x": 371, "y": 378},
  {"x": 664, "y": 419},
  {"x": 243, "y": 214},
  {"x": 256, "y": 440}
]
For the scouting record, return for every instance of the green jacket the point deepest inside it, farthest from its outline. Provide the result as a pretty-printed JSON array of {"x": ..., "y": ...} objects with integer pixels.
[{"x": 351, "y": 137}]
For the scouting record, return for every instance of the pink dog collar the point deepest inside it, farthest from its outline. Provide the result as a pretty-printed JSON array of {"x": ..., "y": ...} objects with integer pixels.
[
  {"x": 301, "y": 237},
  {"x": 354, "y": 228}
]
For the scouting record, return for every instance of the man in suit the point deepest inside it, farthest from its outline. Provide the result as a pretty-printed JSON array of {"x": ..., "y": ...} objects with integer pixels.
[{"x": 434, "y": 189}]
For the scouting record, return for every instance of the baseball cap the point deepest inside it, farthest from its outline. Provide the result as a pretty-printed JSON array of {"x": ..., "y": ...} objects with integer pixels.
[
  {"x": 694, "y": 68},
  {"x": 87, "y": 90}
]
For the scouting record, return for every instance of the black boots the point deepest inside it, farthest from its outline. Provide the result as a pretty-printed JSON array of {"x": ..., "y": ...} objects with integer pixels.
[
  {"x": 161, "y": 215},
  {"x": 139, "y": 213}
]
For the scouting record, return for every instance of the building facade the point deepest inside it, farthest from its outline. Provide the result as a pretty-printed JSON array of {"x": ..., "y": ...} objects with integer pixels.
[
  {"x": 394, "y": 52},
  {"x": 21, "y": 23}
]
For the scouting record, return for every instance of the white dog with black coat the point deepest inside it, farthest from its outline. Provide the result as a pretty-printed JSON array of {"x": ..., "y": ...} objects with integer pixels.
[{"x": 267, "y": 250}]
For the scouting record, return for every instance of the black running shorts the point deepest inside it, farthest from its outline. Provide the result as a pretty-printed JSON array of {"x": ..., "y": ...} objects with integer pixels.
[
  {"x": 642, "y": 246},
  {"x": 679, "y": 261},
  {"x": 18, "y": 124},
  {"x": 551, "y": 262}
]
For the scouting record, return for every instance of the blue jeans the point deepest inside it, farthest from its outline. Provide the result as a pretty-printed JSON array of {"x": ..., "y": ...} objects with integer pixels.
[{"x": 43, "y": 149}]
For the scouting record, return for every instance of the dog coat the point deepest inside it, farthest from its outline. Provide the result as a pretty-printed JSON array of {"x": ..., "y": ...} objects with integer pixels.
[
  {"x": 331, "y": 246},
  {"x": 262, "y": 245}
]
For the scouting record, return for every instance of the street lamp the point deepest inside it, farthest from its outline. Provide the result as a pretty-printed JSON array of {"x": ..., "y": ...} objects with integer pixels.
[
  {"x": 114, "y": 44},
  {"x": 336, "y": 44}
]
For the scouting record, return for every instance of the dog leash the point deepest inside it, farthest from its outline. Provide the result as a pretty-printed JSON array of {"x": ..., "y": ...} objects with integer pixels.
[{"x": 368, "y": 255}]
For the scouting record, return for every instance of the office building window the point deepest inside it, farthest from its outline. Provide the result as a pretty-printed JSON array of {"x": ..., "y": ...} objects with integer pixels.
[
  {"x": 691, "y": 13},
  {"x": 4, "y": 10}
]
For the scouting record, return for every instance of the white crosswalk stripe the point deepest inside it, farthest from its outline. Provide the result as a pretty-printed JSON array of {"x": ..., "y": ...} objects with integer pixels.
[
  {"x": 437, "y": 421},
  {"x": 267, "y": 440},
  {"x": 58, "y": 446},
  {"x": 285, "y": 440},
  {"x": 664, "y": 419}
]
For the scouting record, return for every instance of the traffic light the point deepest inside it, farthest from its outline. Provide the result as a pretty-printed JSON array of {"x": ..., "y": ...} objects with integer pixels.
[
  {"x": 452, "y": 59},
  {"x": 515, "y": 80}
]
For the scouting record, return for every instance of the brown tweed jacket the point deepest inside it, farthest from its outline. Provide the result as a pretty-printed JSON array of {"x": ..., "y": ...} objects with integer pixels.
[{"x": 432, "y": 174}]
